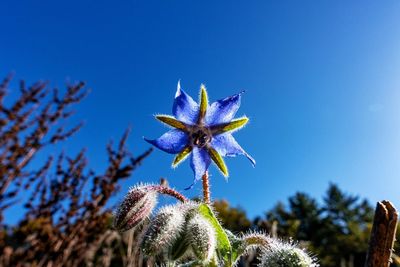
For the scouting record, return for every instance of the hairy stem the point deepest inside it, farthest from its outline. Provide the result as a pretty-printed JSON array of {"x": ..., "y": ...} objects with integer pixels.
[
  {"x": 206, "y": 188},
  {"x": 168, "y": 191}
]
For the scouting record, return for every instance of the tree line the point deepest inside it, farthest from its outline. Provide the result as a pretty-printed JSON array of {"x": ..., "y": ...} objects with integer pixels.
[{"x": 336, "y": 230}]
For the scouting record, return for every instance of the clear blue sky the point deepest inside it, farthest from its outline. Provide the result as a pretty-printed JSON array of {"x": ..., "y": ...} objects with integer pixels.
[{"x": 322, "y": 81}]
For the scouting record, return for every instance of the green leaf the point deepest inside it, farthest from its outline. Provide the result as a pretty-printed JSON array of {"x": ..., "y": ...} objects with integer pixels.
[{"x": 224, "y": 248}]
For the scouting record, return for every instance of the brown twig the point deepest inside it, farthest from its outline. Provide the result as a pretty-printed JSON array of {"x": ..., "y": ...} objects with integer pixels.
[
  {"x": 66, "y": 214},
  {"x": 383, "y": 235}
]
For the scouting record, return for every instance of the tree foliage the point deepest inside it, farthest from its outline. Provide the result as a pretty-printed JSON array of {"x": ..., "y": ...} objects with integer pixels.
[
  {"x": 66, "y": 220},
  {"x": 337, "y": 230}
]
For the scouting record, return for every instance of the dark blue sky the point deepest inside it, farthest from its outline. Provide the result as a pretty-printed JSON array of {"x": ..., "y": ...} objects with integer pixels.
[{"x": 321, "y": 78}]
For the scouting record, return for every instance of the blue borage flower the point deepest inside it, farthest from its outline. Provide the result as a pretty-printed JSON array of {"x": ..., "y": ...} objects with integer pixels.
[{"x": 202, "y": 131}]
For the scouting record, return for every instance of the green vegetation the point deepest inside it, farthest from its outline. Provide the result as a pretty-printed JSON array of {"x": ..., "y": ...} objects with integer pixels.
[
  {"x": 66, "y": 220},
  {"x": 336, "y": 230}
]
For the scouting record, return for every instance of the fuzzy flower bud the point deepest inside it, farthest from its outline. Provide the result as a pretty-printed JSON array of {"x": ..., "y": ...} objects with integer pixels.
[
  {"x": 163, "y": 230},
  {"x": 189, "y": 208},
  {"x": 202, "y": 238},
  {"x": 136, "y": 206},
  {"x": 181, "y": 246},
  {"x": 281, "y": 254}
]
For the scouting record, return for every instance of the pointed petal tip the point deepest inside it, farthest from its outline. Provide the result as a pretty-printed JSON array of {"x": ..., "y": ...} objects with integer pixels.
[
  {"x": 238, "y": 94},
  {"x": 234, "y": 96},
  {"x": 184, "y": 108},
  {"x": 190, "y": 186},
  {"x": 178, "y": 89},
  {"x": 171, "y": 142},
  {"x": 151, "y": 141},
  {"x": 223, "y": 110},
  {"x": 252, "y": 160},
  {"x": 194, "y": 182}
]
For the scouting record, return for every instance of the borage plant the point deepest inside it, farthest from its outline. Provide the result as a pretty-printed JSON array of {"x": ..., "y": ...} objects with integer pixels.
[{"x": 188, "y": 233}]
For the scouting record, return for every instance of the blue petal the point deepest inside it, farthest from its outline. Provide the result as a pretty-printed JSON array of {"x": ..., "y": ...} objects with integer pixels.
[
  {"x": 226, "y": 145},
  {"x": 199, "y": 161},
  {"x": 185, "y": 109},
  {"x": 223, "y": 110},
  {"x": 171, "y": 142}
]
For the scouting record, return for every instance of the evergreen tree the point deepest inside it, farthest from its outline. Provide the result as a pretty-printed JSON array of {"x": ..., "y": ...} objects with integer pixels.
[{"x": 337, "y": 230}]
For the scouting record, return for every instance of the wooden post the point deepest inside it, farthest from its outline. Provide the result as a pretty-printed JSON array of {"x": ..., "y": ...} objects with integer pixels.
[{"x": 383, "y": 235}]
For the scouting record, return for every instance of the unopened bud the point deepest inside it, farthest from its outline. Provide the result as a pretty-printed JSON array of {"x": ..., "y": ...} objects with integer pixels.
[
  {"x": 135, "y": 208},
  {"x": 181, "y": 248},
  {"x": 163, "y": 230},
  {"x": 189, "y": 208},
  {"x": 256, "y": 240},
  {"x": 202, "y": 238},
  {"x": 279, "y": 254}
]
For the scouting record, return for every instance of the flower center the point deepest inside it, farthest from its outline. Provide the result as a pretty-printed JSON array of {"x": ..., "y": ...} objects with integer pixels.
[{"x": 200, "y": 137}]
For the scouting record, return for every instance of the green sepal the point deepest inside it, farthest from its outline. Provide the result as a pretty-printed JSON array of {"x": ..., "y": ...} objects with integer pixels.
[
  {"x": 194, "y": 263},
  {"x": 179, "y": 248},
  {"x": 224, "y": 249},
  {"x": 182, "y": 156},
  {"x": 203, "y": 103},
  {"x": 171, "y": 121},
  {"x": 230, "y": 126},
  {"x": 237, "y": 245},
  {"x": 218, "y": 160}
]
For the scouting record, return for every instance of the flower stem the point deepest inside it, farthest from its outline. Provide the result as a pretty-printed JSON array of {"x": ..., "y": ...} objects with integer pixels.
[
  {"x": 168, "y": 191},
  {"x": 206, "y": 188}
]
